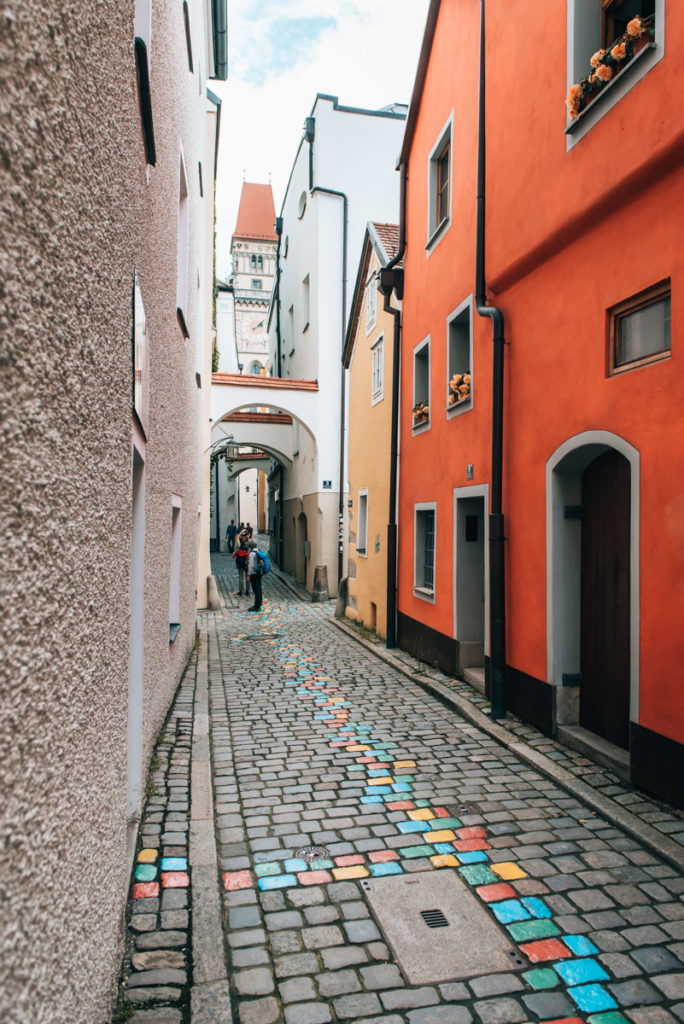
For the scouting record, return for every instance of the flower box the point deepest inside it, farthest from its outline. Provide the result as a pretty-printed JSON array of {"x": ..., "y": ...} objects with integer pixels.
[
  {"x": 607, "y": 64},
  {"x": 421, "y": 414},
  {"x": 458, "y": 390}
]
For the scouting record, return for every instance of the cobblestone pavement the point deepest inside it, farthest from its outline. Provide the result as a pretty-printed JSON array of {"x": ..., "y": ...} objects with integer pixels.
[{"x": 315, "y": 742}]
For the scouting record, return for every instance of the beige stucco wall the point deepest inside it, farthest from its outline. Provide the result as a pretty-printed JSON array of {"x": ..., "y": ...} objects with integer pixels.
[
  {"x": 369, "y": 465},
  {"x": 77, "y": 216}
]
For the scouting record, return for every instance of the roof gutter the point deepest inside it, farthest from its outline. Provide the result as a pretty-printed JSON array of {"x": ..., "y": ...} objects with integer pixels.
[{"x": 497, "y": 581}]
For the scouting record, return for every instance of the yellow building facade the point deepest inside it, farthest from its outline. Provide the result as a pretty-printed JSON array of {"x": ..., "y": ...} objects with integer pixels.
[{"x": 368, "y": 358}]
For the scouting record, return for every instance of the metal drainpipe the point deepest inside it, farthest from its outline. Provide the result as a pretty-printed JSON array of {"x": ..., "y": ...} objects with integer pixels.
[
  {"x": 388, "y": 279},
  {"x": 340, "y": 523},
  {"x": 279, "y": 344},
  {"x": 497, "y": 561}
]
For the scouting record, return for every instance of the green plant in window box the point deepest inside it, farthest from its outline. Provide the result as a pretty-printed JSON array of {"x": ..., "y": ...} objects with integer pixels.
[{"x": 605, "y": 64}]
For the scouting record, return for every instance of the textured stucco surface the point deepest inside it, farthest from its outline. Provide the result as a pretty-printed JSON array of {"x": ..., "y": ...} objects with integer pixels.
[{"x": 77, "y": 214}]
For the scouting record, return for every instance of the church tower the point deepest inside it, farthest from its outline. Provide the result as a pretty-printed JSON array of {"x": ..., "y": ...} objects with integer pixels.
[{"x": 253, "y": 252}]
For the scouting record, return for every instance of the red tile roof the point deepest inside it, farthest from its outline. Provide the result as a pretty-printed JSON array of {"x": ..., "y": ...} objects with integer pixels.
[
  {"x": 275, "y": 383},
  {"x": 389, "y": 239},
  {"x": 256, "y": 215}
]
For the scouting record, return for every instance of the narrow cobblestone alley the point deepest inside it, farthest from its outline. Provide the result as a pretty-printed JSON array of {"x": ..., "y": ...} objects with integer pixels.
[{"x": 336, "y": 777}]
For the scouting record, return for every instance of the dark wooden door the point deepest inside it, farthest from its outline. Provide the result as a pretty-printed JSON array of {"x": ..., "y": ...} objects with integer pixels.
[{"x": 604, "y": 692}]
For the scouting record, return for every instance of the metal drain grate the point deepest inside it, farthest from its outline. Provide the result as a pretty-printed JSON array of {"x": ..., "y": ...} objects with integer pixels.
[
  {"x": 309, "y": 853},
  {"x": 255, "y": 636},
  {"x": 434, "y": 918},
  {"x": 518, "y": 961}
]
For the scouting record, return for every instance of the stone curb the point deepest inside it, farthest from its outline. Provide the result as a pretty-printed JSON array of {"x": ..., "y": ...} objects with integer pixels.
[{"x": 658, "y": 843}]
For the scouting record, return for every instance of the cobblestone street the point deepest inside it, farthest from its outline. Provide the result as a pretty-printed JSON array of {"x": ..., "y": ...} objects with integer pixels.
[{"x": 334, "y": 775}]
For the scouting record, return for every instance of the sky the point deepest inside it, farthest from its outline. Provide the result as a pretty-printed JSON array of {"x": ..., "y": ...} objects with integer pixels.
[{"x": 280, "y": 54}]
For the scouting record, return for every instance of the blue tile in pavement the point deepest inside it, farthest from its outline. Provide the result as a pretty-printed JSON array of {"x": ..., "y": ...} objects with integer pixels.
[
  {"x": 577, "y": 972},
  {"x": 592, "y": 998}
]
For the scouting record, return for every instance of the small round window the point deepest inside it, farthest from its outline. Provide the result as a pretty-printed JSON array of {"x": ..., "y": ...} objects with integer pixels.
[{"x": 302, "y": 205}]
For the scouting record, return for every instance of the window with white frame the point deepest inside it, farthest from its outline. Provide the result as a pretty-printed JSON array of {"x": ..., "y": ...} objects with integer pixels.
[
  {"x": 182, "y": 264},
  {"x": 460, "y": 358},
  {"x": 371, "y": 301},
  {"x": 362, "y": 524},
  {"x": 612, "y": 44},
  {"x": 175, "y": 569},
  {"x": 424, "y": 549},
  {"x": 439, "y": 185},
  {"x": 141, "y": 356},
  {"x": 377, "y": 373},
  {"x": 421, "y": 386}
]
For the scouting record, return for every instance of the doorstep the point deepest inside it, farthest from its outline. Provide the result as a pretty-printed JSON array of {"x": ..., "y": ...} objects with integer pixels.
[{"x": 599, "y": 750}]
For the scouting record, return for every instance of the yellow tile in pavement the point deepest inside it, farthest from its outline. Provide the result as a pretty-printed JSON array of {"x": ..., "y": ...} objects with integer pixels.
[
  {"x": 384, "y": 780},
  {"x": 507, "y": 870},
  {"x": 356, "y": 871},
  {"x": 445, "y": 860},
  {"x": 355, "y": 747},
  {"x": 147, "y": 856},
  {"x": 445, "y": 835},
  {"x": 404, "y": 764},
  {"x": 422, "y": 814},
  {"x": 335, "y": 700}
]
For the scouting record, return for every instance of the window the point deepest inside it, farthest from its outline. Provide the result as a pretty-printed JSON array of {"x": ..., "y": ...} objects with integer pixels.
[
  {"x": 305, "y": 302},
  {"x": 141, "y": 358},
  {"x": 460, "y": 359},
  {"x": 439, "y": 185},
  {"x": 143, "y": 32},
  {"x": 639, "y": 331},
  {"x": 378, "y": 377},
  {"x": 362, "y": 525},
  {"x": 421, "y": 386},
  {"x": 188, "y": 38},
  {"x": 301, "y": 206},
  {"x": 201, "y": 183},
  {"x": 256, "y": 283},
  {"x": 175, "y": 569},
  {"x": 253, "y": 262},
  {"x": 424, "y": 550},
  {"x": 260, "y": 262},
  {"x": 182, "y": 280},
  {"x": 597, "y": 24},
  {"x": 371, "y": 301},
  {"x": 255, "y": 369},
  {"x": 290, "y": 328}
]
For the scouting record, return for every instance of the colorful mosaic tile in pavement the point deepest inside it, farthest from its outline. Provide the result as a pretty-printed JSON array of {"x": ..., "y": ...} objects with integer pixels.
[{"x": 566, "y": 960}]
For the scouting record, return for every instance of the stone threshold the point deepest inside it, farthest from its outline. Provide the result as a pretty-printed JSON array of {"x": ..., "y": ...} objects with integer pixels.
[
  {"x": 616, "y": 759},
  {"x": 669, "y": 849}
]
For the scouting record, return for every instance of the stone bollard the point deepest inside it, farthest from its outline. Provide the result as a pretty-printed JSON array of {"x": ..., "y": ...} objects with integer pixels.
[
  {"x": 214, "y": 599},
  {"x": 342, "y": 596},
  {"x": 320, "y": 587}
]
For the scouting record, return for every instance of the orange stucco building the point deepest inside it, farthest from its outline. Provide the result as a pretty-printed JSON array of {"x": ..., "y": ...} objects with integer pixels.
[{"x": 583, "y": 258}]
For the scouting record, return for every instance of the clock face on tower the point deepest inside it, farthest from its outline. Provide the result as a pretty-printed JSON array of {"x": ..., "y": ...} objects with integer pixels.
[{"x": 251, "y": 331}]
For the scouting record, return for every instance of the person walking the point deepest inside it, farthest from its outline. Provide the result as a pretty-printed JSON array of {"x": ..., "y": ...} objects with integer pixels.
[
  {"x": 254, "y": 573},
  {"x": 241, "y": 557},
  {"x": 231, "y": 532}
]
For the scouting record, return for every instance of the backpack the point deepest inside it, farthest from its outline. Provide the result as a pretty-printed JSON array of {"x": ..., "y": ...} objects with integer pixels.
[{"x": 264, "y": 562}]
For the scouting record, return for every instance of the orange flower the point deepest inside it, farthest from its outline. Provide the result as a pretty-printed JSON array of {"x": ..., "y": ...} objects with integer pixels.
[
  {"x": 619, "y": 52},
  {"x": 596, "y": 59},
  {"x": 604, "y": 73},
  {"x": 635, "y": 27},
  {"x": 592, "y": 78},
  {"x": 573, "y": 100}
]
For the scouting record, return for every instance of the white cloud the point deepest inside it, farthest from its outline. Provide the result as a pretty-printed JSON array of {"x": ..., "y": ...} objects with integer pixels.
[{"x": 363, "y": 51}]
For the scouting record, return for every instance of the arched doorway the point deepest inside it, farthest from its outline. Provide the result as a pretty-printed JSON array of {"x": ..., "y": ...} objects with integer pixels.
[
  {"x": 593, "y": 583},
  {"x": 301, "y": 548}
]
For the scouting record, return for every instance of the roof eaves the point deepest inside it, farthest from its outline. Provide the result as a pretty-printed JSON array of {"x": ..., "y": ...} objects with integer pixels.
[{"x": 419, "y": 84}]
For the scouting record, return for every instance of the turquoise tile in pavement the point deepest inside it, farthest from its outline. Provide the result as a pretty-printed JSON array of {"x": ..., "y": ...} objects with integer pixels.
[
  {"x": 444, "y": 847},
  {"x": 321, "y": 864},
  {"x": 416, "y": 851},
  {"x": 536, "y": 907},
  {"x": 541, "y": 977},
  {"x": 389, "y": 746},
  {"x": 474, "y": 857},
  {"x": 580, "y": 945},
  {"x": 376, "y": 773},
  {"x": 607, "y": 1018},
  {"x": 145, "y": 873},
  {"x": 440, "y": 823},
  {"x": 174, "y": 864},
  {"x": 414, "y": 826},
  {"x": 592, "y": 998},
  {"x": 356, "y": 767},
  {"x": 526, "y": 931},
  {"x": 478, "y": 874},
  {"x": 377, "y": 790},
  {"x": 401, "y": 787},
  {"x": 270, "y": 868},
  {"x": 277, "y": 882},
  {"x": 372, "y": 799},
  {"x": 577, "y": 972},
  {"x": 403, "y": 778},
  {"x": 509, "y": 910},
  {"x": 294, "y": 864},
  {"x": 391, "y": 868},
  {"x": 422, "y": 802}
]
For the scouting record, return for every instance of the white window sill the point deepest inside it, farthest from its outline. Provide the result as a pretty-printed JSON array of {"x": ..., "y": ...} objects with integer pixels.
[
  {"x": 437, "y": 233},
  {"x": 424, "y": 594},
  {"x": 362, "y": 553},
  {"x": 377, "y": 398},
  {"x": 459, "y": 407},
  {"x": 420, "y": 428}
]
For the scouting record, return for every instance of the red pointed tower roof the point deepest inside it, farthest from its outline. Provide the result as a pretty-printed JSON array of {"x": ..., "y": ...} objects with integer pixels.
[{"x": 256, "y": 215}]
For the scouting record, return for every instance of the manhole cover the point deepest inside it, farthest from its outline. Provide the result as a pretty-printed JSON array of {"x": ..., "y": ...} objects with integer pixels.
[
  {"x": 309, "y": 853},
  {"x": 438, "y": 930}
]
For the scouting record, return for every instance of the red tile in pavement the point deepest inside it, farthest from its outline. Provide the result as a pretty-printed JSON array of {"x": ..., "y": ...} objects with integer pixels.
[
  {"x": 474, "y": 832},
  {"x": 349, "y": 859},
  {"x": 496, "y": 891},
  {"x": 314, "y": 877},
  {"x": 441, "y": 812},
  {"x": 383, "y": 856},
  {"x": 174, "y": 880},
  {"x": 364, "y": 760},
  {"x": 143, "y": 889},
  {"x": 237, "y": 880},
  {"x": 566, "y": 1020},
  {"x": 401, "y": 805},
  {"x": 468, "y": 845},
  {"x": 545, "y": 949}
]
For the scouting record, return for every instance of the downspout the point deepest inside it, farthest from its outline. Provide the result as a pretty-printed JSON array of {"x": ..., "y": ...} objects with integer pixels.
[
  {"x": 393, "y": 279},
  {"x": 497, "y": 561},
  {"x": 279, "y": 344},
  {"x": 340, "y": 511}
]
